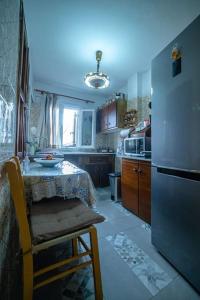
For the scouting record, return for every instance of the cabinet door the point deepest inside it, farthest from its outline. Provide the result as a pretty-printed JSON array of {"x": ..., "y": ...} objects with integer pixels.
[
  {"x": 104, "y": 118},
  {"x": 145, "y": 192},
  {"x": 92, "y": 169},
  {"x": 112, "y": 115},
  {"x": 104, "y": 170},
  {"x": 129, "y": 185},
  {"x": 74, "y": 159}
]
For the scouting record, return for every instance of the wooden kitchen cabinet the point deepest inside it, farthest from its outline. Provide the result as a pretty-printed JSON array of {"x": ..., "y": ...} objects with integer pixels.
[
  {"x": 129, "y": 185},
  {"x": 136, "y": 187},
  {"x": 144, "y": 189},
  {"x": 97, "y": 165},
  {"x": 111, "y": 116},
  {"x": 104, "y": 118}
]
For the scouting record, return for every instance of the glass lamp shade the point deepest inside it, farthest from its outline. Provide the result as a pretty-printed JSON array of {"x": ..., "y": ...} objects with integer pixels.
[{"x": 97, "y": 80}]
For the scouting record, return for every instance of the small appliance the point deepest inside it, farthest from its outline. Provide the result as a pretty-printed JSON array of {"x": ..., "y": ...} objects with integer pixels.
[{"x": 139, "y": 144}]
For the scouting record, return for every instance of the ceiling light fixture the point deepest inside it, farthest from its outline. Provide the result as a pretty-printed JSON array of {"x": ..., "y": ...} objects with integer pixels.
[{"x": 97, "y": 80}]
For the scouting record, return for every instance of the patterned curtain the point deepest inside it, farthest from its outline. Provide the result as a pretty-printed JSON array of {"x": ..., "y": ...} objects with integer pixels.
[{"x": 48, "y": 127}]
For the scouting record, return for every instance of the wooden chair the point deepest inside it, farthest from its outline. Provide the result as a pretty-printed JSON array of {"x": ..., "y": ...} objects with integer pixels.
[{"x": 53, "y": 223}]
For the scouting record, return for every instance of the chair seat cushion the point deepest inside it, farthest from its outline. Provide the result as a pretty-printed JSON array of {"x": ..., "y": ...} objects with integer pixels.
[{"x": 51, "y": 219}]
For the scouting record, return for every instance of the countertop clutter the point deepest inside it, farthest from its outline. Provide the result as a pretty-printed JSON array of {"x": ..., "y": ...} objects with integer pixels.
[{"x": 130, "y": 118}]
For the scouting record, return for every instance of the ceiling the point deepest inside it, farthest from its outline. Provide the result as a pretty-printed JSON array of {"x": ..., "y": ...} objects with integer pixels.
[{"x": 64, "y": 35}]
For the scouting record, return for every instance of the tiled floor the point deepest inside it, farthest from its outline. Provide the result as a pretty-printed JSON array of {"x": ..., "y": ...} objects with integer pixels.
[{"x": 131, "y": 267}]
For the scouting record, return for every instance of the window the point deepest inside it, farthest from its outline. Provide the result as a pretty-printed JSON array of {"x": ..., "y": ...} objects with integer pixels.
[
  {"x": 86, "y": 128},
  {"x": 69, "y": 127},
  {"x": 77, "y": 127}
]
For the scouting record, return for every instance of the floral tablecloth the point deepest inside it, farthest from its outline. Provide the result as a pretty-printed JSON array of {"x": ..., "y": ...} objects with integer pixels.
[{"x": 64, "y": 180}]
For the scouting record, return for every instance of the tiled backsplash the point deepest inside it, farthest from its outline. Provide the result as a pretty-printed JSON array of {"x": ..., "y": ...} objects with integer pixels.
[
  {"x": 108, "y": 141},
  {"x": 141, "y": 104},
  {"x": 9, "y": 32},
  {"x": 143, "y": 108}
]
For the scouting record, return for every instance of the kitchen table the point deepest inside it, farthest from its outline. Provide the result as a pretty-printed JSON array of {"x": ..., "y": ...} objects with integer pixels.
[{"x": 63, "y": 180}]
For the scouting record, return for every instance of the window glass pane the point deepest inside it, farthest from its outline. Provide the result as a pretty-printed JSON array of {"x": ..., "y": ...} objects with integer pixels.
[
  {"x": 86, "y": 139},
  {"x": 69, "y": 127}
]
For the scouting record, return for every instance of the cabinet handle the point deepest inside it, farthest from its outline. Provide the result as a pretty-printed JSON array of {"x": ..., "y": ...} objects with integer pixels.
[
  {"x": 140, "y": 171},
  {"x": 135, "y": 170}
]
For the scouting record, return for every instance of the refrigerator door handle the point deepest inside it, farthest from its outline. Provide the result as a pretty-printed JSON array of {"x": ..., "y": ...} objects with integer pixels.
[
  {"x": 179, "y": 173},
  {"x": 177, "y": 169}
]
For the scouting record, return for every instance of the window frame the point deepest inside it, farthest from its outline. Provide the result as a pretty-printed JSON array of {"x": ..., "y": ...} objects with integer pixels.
[
  {"x": 78, "y": 130},
  {"x": 75, "y": 127}
]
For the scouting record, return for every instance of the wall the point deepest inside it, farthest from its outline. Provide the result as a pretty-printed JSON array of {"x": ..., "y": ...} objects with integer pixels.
[
  {"x": 139, "y": 93},
  {"x": 9, "y": 244}
]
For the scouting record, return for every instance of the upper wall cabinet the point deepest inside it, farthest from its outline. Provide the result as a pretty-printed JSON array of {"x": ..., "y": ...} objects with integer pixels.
[{"x": 111, "y": 116}]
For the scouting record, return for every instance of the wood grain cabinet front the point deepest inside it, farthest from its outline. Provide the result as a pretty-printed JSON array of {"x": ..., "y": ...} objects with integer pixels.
[
  {"x": 111, "y": 116},
  {"x": 97, "y": 165},
  {"x": 104, "y": 118},
  {"x": 136, "y": 187},
  {"x": 129, "y": 185},
  {"x": 144, "y": 191}
]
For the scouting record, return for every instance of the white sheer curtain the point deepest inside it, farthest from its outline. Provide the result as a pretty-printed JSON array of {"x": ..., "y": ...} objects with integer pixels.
[{"x": 48, "y": 125}]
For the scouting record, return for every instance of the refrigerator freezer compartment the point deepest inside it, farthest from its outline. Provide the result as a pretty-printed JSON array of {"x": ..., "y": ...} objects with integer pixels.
[{"x": 175, "y": 222}]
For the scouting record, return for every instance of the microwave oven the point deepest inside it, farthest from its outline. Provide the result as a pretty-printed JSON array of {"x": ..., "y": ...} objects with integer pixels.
[{"x": 137, "y": 146}]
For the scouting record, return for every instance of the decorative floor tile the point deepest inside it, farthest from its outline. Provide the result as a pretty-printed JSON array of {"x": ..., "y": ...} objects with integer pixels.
[
  {"x": 119, "y": 206},
  {"x": 146, "y": 226},
  {"x": 149, "y": 272}
]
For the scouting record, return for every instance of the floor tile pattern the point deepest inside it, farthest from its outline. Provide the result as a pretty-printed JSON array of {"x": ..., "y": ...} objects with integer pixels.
[
  {"x": 150, "y": 274},
  {"x": 146, "y": 226}
]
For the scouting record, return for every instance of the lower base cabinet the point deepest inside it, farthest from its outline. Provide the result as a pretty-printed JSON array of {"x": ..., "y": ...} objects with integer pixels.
[
  {"x": 99, "y": 173},
  {"x": 136, "y": 187},
  {"x": 97, "y": 165}
]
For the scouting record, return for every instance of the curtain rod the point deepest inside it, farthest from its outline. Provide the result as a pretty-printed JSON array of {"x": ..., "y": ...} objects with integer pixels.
[{"x": 66, "y": 96}]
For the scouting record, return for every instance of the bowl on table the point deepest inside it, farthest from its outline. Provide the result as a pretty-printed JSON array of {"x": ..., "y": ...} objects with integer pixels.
[{"x": 45, "y": 162}]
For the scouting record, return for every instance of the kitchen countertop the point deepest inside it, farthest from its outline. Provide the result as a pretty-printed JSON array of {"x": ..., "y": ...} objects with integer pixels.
[
  {"x": 90, "y": 153},
  {"x": 61, "y": 154},
  {"x": 135, "y": 157}
]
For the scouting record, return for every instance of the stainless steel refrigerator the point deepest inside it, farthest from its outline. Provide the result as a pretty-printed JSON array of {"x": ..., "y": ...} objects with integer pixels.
[{"x": 176, "y": 154}]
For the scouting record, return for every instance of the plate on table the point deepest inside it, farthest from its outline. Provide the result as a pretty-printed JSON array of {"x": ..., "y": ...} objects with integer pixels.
[{"x": 48, "y": 162}]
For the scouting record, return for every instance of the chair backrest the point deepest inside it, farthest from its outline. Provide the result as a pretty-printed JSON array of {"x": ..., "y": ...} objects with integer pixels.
[
  {"x": 16, "y": 159},
  {"x": 13, "y": 171}
]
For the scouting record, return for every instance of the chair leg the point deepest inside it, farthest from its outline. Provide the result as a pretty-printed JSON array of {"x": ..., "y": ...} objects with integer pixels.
[
  {"x": 28, "y": 276},
  {"x": 75, "y": 246},
  {"x": 96, "y": 264}
]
